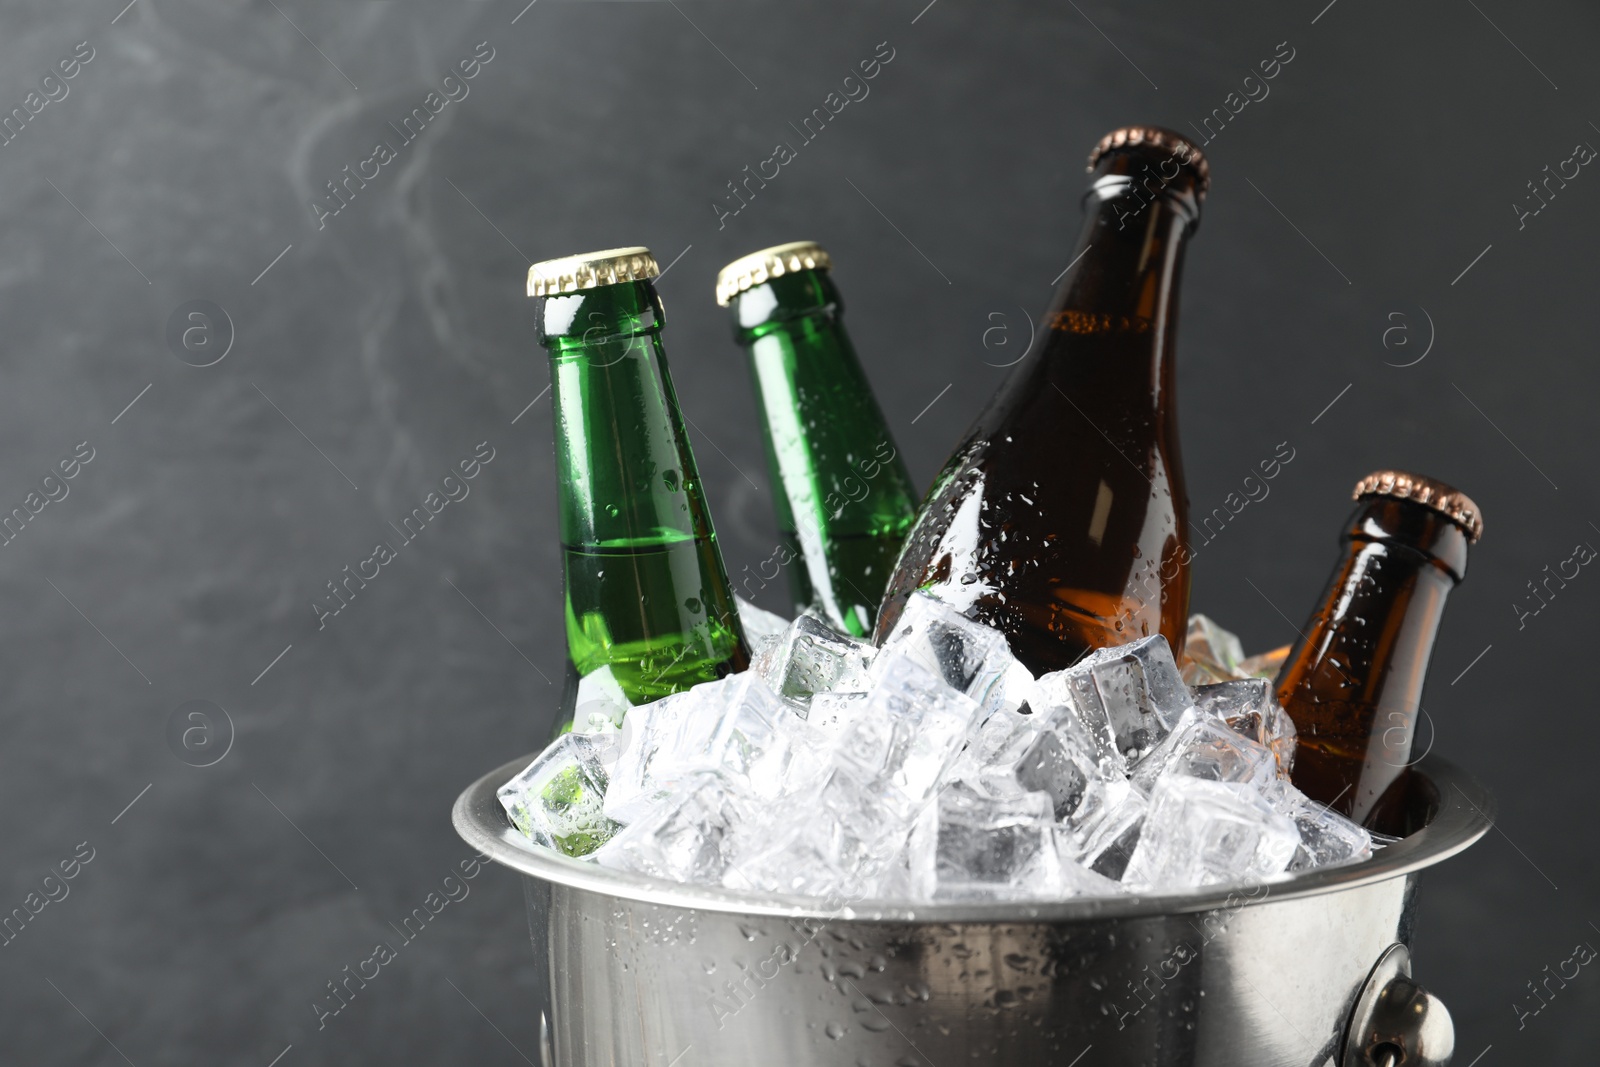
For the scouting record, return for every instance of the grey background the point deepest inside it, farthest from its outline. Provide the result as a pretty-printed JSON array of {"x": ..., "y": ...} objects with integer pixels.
[{"x": 188, "y": 552}]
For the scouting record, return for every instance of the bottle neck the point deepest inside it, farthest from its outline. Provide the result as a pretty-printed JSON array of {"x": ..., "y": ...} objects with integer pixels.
[
  {"x": 1109, "y": 334},
  {"x": 1127, "y": 263},
  {"x": 626, "y": 474},
  {"x": 797, "y": 302},
  {"x": 1369, "y": 644},
  {"x": 790, "y": 328},
  {"x": 596, "y": 323}
]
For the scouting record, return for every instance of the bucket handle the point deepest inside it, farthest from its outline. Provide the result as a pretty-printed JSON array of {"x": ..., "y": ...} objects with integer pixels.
[{"x": 1396, "y": 1022}]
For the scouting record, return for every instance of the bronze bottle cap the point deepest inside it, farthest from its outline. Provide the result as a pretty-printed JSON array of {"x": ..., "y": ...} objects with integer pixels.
[
  {"x": 1429, "y": 492},
  {"x": 1181, "y": 148}
]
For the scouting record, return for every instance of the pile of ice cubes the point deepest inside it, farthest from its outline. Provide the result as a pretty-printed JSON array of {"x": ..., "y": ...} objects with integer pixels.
[{"x": 938, "y": 768}]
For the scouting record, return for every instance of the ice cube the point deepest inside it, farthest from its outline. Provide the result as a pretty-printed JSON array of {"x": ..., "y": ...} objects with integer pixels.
[
  {"x": 1265, "y": 664},
  {"x": 989, "y": 848},
  {"x": 990, "y": 758},
  {"x": 1053, "y": 706},
  {"x": 800, "y": 859},
  {"x": 1103, "y": 831},
  {"x": 1204, "y": 746},
  {"x": 688, "y": 837},
  {"x": 830, "y": 713},
  {"x": 1112, "y": 860},
  {"x": 1279, "y": 734},
  {"x": 969, "y": 656},
  {"x": 1249, "y": 707},
  {"x": 811, "y": 658},
  {"x": 1094, "y": 805},
  {"x": 837, "y": 840},
  {"x": 1078, "y": 880},
  {"x": 1199, "y": 833},
  {"x": 1210, "y": 653},
  {"x": 651, "y": 753},
  {"x": 1048, "y": 767},
  {"x": 759, "y": 624},
  {"x": 1133, "y": 690},
  {"x": 557, "y": 799},
  {"x": 596, "y": 721},
  {"x": 600, "y": 702},
  {"x": 735, "y": 726},
  {"x": 1326, "y": 837},
  {"x": 914, "y": 875},
  {"x": 907, "y": 734},
  {"x": 1243, "y": 705},
  {"x": 1018, "y": 689},
  {"x": 759, "y": 744}
]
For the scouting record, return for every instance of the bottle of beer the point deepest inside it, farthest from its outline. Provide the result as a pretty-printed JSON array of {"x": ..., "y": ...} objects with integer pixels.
[
  {"x": 1061, "y": 519},
  {"x": 1353, "y": 683},
  {"x": 843, "y": 498},
  {"x": 647, "y": 596}
]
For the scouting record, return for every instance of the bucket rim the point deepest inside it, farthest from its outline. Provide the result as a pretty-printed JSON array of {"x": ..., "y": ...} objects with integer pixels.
[{"x": 1464, "y": 813}]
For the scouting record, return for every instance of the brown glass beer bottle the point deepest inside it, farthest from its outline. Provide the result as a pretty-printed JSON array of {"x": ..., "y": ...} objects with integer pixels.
[
  {"x": 1061, "y": 518},
  {"x": 1353, "y": 682}
]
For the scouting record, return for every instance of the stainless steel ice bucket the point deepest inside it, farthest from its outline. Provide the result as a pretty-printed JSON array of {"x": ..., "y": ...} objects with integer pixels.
[{"x": 639, "y": 973}]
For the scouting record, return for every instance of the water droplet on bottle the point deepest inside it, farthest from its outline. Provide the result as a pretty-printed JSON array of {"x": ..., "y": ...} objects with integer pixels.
[
  {"x": 613, "y": 510},
  {"x": 693, "y": 604},
  {"x": 669, "y": 478},
  {"x": 834, "y": 1030}
]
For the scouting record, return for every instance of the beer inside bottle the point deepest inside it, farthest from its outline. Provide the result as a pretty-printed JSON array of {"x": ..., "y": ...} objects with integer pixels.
[
  {"x": 1061, "y": 519},
  {"x": 646, "y": 591},
  {"x": 1353, "y": 682},
  {"x": 840, "y": 489}
]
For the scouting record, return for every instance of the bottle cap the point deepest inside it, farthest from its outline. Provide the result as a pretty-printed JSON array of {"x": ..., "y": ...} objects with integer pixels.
[
  {"x": 759, "y": 267},
  {"x": 1181, "y": 148},
  {"x": 608, "y": 267},
  {"x": 1429, "y": 492}
]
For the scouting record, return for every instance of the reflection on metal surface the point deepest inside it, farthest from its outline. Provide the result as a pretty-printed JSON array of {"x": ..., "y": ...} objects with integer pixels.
[{"x": 1396, "y": 1021}]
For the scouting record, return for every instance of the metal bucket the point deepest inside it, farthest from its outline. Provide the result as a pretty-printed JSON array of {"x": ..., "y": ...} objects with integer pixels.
[{"x": 635, "y": 972}]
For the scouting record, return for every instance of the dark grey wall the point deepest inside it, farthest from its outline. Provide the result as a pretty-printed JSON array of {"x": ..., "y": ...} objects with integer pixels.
[{"x": 380, "y": 349}]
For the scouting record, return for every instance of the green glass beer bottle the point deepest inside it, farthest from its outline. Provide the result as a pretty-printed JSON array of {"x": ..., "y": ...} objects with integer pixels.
[
  {"x": 1062, "y": 519},
  {"x": 647, "y": 595},
  {"x": 840, "y": 489}
]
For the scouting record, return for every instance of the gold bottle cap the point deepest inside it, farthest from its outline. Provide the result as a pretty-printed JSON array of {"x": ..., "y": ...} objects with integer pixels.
[
  {"x": 1161, "y": 139},
  {"x": 1429, "y": 492},
  {"x": 759, "y": 267},
  {"x": 608, "y": 267}
]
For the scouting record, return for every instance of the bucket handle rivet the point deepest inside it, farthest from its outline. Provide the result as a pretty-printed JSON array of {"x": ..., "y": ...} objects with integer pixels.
[{"x": 1396, "y": 1022}]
